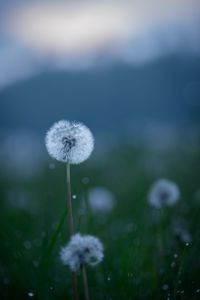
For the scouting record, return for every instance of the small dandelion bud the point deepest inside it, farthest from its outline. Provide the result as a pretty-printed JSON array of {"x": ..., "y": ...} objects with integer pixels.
[
  {"x": 163, "y": 192},
  {"x": 82, "y": 251},
  {"x": 69, "y": 142}
]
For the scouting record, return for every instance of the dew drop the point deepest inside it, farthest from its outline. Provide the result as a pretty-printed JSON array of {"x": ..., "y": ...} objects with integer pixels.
[
  {"x": 35, "y": 263},
  {"x": 165, "y": 287},
  {"x": 173, "y": 264},
  {"x": 6, "y": 281},
  {"x": 187, "y": 244},
  {"x": 43, "y": 234},
  {"x": 27, "y": 245},
  {"x": 198, "y": 290},
  {"x": 38, "y": 243},
  {"x": 175, "y": 255},
  {"x": 51, "y": 166},
  {"x": 30, "y": 294},
  {"x": 54, "y": 225},
  {"x": 74, "y": 197},
  {"x": 18, "y": 233},
  {"x": 85, "y": 180},
  {"x": 108, "y": 278}
]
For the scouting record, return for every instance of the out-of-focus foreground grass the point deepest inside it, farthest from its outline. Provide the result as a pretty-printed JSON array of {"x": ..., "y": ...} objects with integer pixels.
[{"x": 145, "y": 256}]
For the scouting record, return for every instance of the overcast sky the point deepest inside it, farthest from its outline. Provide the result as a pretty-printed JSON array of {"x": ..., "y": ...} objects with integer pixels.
[{"x": 69, "y": 35}]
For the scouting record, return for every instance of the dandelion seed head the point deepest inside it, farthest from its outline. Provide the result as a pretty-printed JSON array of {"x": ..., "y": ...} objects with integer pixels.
[
  {"x": 82, "y": 250},
  {"x": 183, "y": 235},
  {"x": 163, "y": 192},
  {"x": 69, "y": 142},
  {"x": 101, "y": 200}
]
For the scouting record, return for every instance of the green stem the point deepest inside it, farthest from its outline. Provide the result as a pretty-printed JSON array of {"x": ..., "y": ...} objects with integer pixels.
[
  {"x": 179, "y": 272},
  {"x": 71, "y": 227},
  {"x": 85, "y": 283},
  {"x": 159, "y": 257},
  {"x": 53, "y": 239},
  {"x": 69, "y": 200}
]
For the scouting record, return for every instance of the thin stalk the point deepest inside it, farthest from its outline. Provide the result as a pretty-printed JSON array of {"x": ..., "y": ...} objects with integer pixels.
[
  {"x": 85, "y": 283},
  {"x": 179, "y": 272},
  {"x": 159, "y": 257},
  {"x": 71, "y": 227},
  {"x": 69, "y": 200}
]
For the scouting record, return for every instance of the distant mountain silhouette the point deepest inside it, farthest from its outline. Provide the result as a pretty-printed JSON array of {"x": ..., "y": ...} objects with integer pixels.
[{"x": 106, "y": 99}]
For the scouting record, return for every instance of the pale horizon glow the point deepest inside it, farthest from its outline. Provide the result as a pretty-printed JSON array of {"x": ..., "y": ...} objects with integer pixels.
[
  {"x": 80, "y": 35},
  {"x": 69, "y": 29},
  {"x": 84, "y": 27}
]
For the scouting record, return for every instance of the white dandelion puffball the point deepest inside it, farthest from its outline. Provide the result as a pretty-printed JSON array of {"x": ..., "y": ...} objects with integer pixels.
[
  {"x": 82, "y": 250},
  {"x": 69, "y": 142},
  {"x": 163, "y": 192},
  {"x": 182, "y": 235},
  {"x": 101, "y": 200}
]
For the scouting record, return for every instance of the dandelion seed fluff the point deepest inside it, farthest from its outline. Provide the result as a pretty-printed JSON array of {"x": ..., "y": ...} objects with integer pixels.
[
  {"x": 163, "y": 192},
  {"x": 69, "y": 142},
  {"x": 82, "y": 250},
  {"x": 101, "y": 200},
  {"x": 182, "y": 235}
]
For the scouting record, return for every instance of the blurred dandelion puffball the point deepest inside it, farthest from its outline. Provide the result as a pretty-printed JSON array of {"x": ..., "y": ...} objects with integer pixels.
[
  {"x": 163, "y": 192},
  {"x": 69, "y": 142},
  {"x": 182, "y": 235},
  {"x": 101, "y": 200},
  {"x": 82, "y": 250}
]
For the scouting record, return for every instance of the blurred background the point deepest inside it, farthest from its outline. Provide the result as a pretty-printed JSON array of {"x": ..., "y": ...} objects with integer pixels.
[{"x": 129, "y": 70}]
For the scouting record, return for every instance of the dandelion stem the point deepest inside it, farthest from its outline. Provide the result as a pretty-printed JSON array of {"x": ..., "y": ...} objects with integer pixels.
[
  {"x": 69, "y": 200},
  {"x": 85, "y": 282},
  {"x": 71, "y": 226},
  {"x": 74, "y": 286},
  {"x": 179, "y": 272},
  {"x": 159, "y": 254}
]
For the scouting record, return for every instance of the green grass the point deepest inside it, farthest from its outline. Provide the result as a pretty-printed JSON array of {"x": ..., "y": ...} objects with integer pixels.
[{"x": 139, "y": 242}]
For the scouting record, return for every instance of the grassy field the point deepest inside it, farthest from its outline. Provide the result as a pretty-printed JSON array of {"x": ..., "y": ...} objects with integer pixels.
[{"x": 145, "y": 257}]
